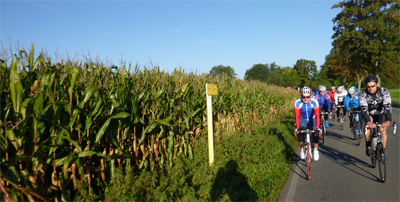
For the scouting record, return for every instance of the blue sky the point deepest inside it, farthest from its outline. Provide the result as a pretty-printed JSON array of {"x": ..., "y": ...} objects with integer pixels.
[{"x": 192, "y": 35}]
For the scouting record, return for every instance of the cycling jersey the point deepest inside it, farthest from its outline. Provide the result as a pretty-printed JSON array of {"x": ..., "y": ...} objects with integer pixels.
[
  {"x": 324, "y": 101},
  {"x": 307, "y": 111},
  {"x": 339, "y": 97},
  {"x": 376, "y": 104},
  {"x": 332, "y": 95},
  {"x": 353, "y": 102}
]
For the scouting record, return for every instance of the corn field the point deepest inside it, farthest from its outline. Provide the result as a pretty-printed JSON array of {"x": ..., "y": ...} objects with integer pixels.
[{"x": 71, "y": 122}]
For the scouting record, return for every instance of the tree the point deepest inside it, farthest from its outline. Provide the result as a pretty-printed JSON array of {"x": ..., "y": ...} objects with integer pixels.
[
  {"x": 366, "y": 38},
  {"x": 306, "y": 69},
  {"x": 257, "y": 72},
  {"x": 221, "y": 70}
]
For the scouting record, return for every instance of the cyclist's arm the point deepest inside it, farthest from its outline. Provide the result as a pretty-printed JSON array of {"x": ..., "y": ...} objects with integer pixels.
[
  {"x": 328, "y": 102},
  {"x": 387, "y": 105},
  {"x": 364, "y": 107},
  {"x": 316, "y": 113},
  {"x": 296, "y": 117},
  {"x": 336, "y": 99},
  {"x": 346, "y": 102}
]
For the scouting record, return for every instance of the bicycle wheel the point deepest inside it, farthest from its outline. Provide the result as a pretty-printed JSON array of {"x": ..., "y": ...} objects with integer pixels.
[
  {"x": 308, "y": 161},
  {"x": 381, "y": 161},
  {"x": 322, "y": 141},
  {"x": 358, "y": 135},
  {"x": 373, "y": 159},
  {"x": 341, "y": 121}
]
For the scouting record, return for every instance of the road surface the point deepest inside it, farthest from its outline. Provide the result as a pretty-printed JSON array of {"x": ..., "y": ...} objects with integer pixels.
[{"x": 344, "y": 172}]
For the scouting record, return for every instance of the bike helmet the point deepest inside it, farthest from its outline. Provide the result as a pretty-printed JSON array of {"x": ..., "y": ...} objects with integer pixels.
[
  {"x": 322, "y": 88},
  {"x": 333, "y": 87},
  {"x": 306, "y": 91},
  {"x": 371, "y": 78},
  {"x": 353, "y": 90},
  {"x": 340, "y": 89}
]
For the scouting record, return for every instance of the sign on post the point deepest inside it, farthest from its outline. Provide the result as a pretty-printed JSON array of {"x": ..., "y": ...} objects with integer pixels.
[{"x": 211, "y": 89}]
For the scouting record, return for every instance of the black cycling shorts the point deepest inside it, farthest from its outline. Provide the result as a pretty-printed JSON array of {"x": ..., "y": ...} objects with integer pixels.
[
  {"x": 378, "y": 118},
  {"x": 314, "y": 137}
]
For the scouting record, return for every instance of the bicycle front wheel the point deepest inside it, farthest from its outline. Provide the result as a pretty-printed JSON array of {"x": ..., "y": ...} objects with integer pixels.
[
  {"x": 308, "y": 161},
  {"x": 341, "y": 121},
  {"x": 357, "y": 133},
  {"x": 322, "y": 141},
  {"x": 381, "y": 161}
]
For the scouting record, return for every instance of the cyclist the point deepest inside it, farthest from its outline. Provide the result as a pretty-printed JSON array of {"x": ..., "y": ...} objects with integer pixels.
[
  {"x": 324, "y": 102},
  {"x": 339, "y": 100},
  {"x": 332, "y": 96},
  {"x": 306, "y": 111},
  {"x": 351, "y": 102},
  {"x": 376, "y": 106}
]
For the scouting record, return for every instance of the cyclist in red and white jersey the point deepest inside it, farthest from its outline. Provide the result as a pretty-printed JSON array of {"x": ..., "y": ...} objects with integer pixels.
[
  {"x": 332, "y": 96},
  {"x": 306, "y": 111},
  {"x": 339, "y": 100}
]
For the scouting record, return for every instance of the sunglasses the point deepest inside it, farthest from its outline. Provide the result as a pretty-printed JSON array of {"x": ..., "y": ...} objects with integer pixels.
[
  {"x": 306, "y": 97},
  {"x": 371, "y": 86}
]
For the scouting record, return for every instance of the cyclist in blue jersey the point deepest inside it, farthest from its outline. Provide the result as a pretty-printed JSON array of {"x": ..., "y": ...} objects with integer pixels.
[
  {"x": 306, "y": 110},
  {"x": 351, "y": 102},
  {"x": 324, "y": 102}
]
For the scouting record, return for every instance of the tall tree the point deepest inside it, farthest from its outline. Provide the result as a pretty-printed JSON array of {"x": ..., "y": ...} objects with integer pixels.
[
  {"x": 220, "y": 70},
  {"x": 306, "y": 69},
  {"x": 366, "y": 38},
  {"x": 257, "y": 72}
]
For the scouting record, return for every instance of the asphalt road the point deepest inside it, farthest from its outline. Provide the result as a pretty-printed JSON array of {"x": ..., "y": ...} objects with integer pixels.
[{"x": 344, "y": 172}]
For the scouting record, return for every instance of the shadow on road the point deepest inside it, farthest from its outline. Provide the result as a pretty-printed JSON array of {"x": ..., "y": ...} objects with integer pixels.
[
  {"x": 348, "y": 161},
  {"x": 340, "y": 138}
]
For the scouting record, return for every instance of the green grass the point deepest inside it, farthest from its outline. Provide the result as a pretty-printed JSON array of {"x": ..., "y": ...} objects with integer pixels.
[{"x": 395, "y": 94}]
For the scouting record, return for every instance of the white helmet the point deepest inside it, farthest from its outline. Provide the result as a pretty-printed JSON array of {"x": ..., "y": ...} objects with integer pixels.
[
  {"x": 322, "y": 88},
  {"x": 333, "y": 87},
  {"x": 340, "y": 88},
  {"x": 353, "y": 90},
  {"x": 306, "y": 91}
]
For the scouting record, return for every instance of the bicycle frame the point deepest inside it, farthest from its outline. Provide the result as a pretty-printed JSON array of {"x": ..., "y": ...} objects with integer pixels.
[
  {"x": 356, "y": 129},
  {"x": 322, "y": 126},
  {"x": 308, "y": 145},
  {"x": 341, "y": 114},
  {"x": 378, "y": 150}
]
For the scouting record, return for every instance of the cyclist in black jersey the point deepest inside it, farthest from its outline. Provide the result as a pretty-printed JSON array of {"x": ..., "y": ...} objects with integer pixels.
[{"x": 376, "y": 106}]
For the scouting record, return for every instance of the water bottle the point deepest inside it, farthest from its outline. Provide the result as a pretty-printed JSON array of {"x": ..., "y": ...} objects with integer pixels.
[{"x": 374, "y": 142}]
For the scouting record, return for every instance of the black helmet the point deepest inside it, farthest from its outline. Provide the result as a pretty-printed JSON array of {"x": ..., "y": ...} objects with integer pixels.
[{"x": 371, "y": 78}]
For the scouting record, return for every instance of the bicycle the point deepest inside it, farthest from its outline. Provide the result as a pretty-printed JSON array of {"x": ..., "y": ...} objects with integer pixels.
[
  {"x": 308, "y": 145},
  {"x": 357, "y": 126},
  {"x": 322, "y": 126},
  {"x": 341, "y": 115},
  {"x": 332, "y": 117},
  {"x": 378, "y": 153}
]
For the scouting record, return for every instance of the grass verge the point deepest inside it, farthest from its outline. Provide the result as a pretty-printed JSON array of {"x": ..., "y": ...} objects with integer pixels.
[
  {"x": 248, "y": 167},
  {"x": 395, "y": 94}
]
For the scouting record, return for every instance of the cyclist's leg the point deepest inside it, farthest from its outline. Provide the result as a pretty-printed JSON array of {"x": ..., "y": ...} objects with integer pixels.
[
  {"x": 313, "y": 125},
  {"x": 381, "y": 119},
  {"x": 303, "y": 125},
  {"x": 368, "y": 139}
]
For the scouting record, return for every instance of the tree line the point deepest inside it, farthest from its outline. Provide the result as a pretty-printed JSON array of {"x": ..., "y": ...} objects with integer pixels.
[{"x": 366, "y": 41}]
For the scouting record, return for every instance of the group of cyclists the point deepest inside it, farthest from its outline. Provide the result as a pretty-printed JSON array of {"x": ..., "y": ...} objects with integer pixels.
[{"x": 374, "y": 102}]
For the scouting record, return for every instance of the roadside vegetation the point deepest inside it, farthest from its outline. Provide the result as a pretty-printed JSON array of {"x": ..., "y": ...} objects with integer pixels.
[
  {"x": 69, "y": 127},
  {"x": 395, "y": 94}
]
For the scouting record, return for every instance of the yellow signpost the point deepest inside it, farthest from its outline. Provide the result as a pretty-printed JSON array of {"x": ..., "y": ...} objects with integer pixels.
[{"x": 211, "y": 89}]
